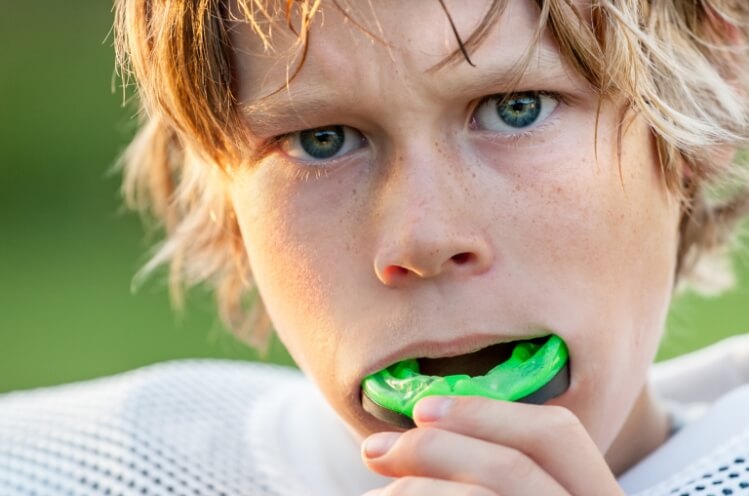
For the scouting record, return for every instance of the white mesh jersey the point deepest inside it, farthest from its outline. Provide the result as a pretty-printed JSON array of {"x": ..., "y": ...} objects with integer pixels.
[
  {"x": 213, "y": 428},
  {"x": 179, "y": 428},
  {"x": 709, "y": 457}
]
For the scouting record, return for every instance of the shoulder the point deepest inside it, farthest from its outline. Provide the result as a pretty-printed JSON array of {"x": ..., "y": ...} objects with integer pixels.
[
  {"x": 169, "y": 383},
  {"x": 177, "y": 425},
  {"x": 710, "y": 455},
  {"x": 165, "y": 372},
  {"x": 704, "y": 375}
]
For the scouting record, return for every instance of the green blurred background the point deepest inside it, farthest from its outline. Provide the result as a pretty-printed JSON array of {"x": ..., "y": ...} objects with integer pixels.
[{"x": 68, "y": 251}]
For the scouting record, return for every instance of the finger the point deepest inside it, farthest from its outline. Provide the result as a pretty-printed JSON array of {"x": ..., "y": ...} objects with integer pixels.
[
  {"x": 420, "y": 486},
  {"x": 441, "y": 454},
  {"x": 547, "y": 434}
]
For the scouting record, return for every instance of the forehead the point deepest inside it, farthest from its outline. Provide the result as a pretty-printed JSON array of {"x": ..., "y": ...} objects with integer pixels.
[{"x": 407, "y": 40}]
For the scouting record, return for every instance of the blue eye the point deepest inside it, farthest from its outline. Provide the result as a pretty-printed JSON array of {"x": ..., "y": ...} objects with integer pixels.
[
  {"x": 322, "y": 143},
  {"x": 515, "y": 112}
]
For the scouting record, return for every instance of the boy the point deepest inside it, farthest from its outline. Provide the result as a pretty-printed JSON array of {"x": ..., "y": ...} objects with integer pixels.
[{"x": 429, "y": 181}]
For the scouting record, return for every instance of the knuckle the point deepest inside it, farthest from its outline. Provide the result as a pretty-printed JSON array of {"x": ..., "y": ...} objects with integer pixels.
[
  {"x": 563, "y": 418},
  {"x": 422, "y": 440},
  {"x": 514, "y": 462},
  {"x": 471, "y": 413},
  {"x": 417, "y": 448},
  {"x": 467, "y": 406}
]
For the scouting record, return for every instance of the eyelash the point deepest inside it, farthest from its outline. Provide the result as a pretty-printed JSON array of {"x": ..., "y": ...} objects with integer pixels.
[
  {"x": 303, "y": 174},
  {"x": 516, "y": 139},
  {"x": 319, "y": 168},
  {"x": 306, "y": 171}
]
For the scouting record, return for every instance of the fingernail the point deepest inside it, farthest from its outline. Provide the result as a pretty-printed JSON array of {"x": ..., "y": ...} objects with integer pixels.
[
  {"x": 378, "y": 444},
  {"x": 432, "y": 408}
]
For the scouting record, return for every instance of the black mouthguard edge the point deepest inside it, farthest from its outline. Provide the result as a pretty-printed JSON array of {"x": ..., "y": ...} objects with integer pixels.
[{"x": 556, "y": 386}]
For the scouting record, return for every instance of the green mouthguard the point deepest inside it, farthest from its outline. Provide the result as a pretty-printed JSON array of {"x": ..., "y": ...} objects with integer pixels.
[{"x": 531, "y": 366}]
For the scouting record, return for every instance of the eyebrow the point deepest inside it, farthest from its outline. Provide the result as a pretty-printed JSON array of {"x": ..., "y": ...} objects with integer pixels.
[
  {"x": 292, "y": 105},
  {"x": 538, "y": 68}
]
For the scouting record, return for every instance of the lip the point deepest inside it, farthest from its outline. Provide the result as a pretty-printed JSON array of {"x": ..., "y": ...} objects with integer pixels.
[{"x": 444, "y": 349}]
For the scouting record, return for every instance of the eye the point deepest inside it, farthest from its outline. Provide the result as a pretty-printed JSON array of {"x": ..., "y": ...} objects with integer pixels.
[
  {"x": 514, "y": 112},
  {"x": 322, "y": 143}
]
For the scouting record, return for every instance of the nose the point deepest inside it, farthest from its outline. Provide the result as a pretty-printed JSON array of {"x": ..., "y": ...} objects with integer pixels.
[
  {"x": 431, "y": 226},
  {"x": 424, "y": 259}
]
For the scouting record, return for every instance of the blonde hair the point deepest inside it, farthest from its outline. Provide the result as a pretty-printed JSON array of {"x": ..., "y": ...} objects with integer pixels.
[{"x": 682, "y": 64}]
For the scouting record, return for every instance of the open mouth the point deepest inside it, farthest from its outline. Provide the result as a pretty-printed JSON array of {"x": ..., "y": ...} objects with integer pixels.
[{"x": 530, "y": 371}]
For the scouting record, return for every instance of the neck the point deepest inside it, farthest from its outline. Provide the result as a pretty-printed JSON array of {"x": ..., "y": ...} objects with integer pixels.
[{"x": 645, "y": 429}]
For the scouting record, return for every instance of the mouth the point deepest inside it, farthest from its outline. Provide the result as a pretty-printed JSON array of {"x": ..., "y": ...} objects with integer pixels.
[{"x": 530, "y": 371}]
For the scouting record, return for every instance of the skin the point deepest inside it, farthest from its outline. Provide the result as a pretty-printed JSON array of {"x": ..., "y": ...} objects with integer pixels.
[{"x": 436, "y": 237}]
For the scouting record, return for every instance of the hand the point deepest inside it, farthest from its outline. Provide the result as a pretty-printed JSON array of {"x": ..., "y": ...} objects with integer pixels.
[{"x": 480, "y": 447}]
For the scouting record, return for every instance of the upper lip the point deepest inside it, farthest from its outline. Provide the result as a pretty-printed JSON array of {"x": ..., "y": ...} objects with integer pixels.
[{"x": 442, "y": 349}]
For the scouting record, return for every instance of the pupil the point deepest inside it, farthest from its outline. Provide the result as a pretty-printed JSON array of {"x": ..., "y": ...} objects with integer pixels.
[
  {"x": 324, "y": 142},
  {"x": 520, "y": 110}
]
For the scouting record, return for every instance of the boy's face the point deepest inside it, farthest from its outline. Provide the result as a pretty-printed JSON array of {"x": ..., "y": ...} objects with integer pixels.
[{"x": 436, "y": 220}]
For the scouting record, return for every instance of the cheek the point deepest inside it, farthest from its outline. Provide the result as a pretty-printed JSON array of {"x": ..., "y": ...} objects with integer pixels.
[
  {"x": 315, "y": 280},
  {"x": 591, "y": 227},
  {"x": 610, "y": 245},
  {"x": 282, "y": 252}
]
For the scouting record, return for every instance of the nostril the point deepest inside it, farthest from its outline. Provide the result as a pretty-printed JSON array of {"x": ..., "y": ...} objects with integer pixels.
[
  {"x": 461, "y": 258},
  {"x": 395, "y": 271}
]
